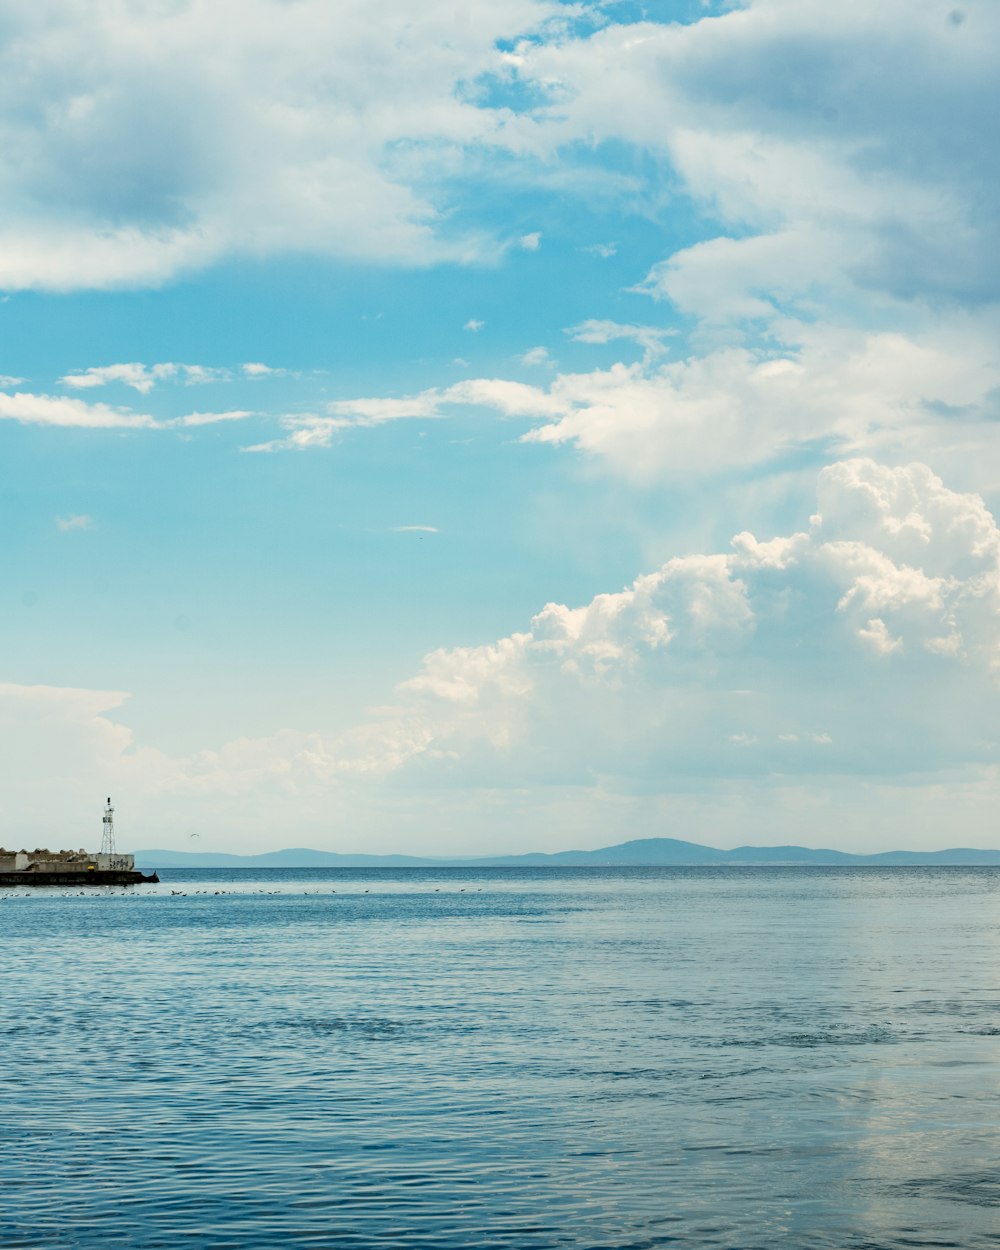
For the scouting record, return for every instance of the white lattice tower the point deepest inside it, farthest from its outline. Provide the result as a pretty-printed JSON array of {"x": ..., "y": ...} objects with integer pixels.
[{"x": 108, "y": 837}]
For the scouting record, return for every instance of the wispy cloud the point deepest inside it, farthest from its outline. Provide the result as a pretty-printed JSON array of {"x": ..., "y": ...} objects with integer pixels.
[
  {"x": 537, "y": 356},
  {"x": 142, "y": 377},
  {"x": 61, "y": 410},
  {"x": 312, "y": 431},
  {"x": 531, "y": 242},
  {"x": 69, "y": 412},
  {"x": 473, "y": 326},
  {"x": 256, "y": 369},
  {"x": 375, "y": 411},
  {"x": 308, "y": 432},
  {"x": 208, "y": 418},
  {"x": 6, "y": 380},
  {"x": 415, "y": 529},
  {"x": 649, "y": 338},
  {"x": 80, "y": 522}
]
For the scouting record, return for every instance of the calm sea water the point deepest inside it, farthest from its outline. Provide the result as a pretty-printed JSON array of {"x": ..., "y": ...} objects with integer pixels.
[{"x": 766, "y": 1057}]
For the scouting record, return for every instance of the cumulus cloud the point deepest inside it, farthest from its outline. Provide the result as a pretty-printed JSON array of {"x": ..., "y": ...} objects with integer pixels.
[
  {"x": 860, "y": 637},
  {"x": 817, "y": 639},
  {"x": 531, "y": 242},
  {"x": 785, "y": 676}
]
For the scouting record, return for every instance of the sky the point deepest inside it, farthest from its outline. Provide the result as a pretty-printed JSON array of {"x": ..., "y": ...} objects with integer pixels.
[{"x": 468, "y": 429}]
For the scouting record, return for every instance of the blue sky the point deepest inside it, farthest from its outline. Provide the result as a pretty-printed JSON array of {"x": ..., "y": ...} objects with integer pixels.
[{"x": 500, "y": 429}]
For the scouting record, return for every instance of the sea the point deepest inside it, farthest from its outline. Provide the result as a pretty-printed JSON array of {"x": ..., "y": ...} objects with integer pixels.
[{"x": 736, "y": 1058}]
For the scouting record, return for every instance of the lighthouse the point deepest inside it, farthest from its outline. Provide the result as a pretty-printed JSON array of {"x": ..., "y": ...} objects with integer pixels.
[{"x": 108, "y": 836}]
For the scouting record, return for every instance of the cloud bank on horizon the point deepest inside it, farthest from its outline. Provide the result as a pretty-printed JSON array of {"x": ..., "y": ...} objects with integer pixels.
[{"x": 543, "y": 302}]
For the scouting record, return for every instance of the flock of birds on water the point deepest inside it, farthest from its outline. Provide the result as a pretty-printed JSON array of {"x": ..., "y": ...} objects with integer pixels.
[{"x": 126, "y": 892}]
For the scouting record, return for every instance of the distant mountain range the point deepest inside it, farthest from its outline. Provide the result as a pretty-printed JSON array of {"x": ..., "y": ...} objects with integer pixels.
[{"x": 651, "y": 852}]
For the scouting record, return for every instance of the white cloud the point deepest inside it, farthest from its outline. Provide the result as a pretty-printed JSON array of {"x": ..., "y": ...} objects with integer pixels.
[
  {"x": 415, "y": 529},
  {"x": 142, "y": 377},
  {"x": 208, "y": 418},
  {"x": 64, "y": 733},
  {"x": 69, "y": 412},
  {"x": 199, "y": 375},
  {"x": 877, "y": 634},
  {"x": 79, "y": 522},
  {"x": 142, "y": 141},
  {"x": 256, "y": 369},
  {"x": 76, "y": 736},
  {"x": 63, "y": 411},
  {"x": 537, "y": 356},
  {"x": 473, "y": 325},
  {"x": 305, "y": 433},
  {"x": 843, "y": 391},
  {"x": 828, "y": 390},
  {"x": 531, "y": 242},
  {"x": 377, "y": 411},
  {"x": 640, "y": 683},
  {"x": 649, "y": 338},
  {"x": 870, "y": 166},
  {"x": 511, "y": 399},
  {"x": 6, "y": 381},
  {"x": 311, "y": 431},
  {"x": 59, "y": 255}
]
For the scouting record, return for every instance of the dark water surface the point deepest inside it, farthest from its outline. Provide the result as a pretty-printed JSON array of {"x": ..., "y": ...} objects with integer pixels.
[{"x": 721, "y": 1057}]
